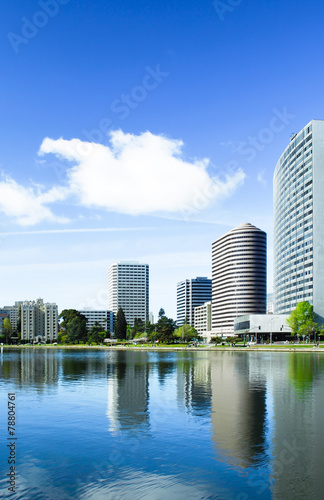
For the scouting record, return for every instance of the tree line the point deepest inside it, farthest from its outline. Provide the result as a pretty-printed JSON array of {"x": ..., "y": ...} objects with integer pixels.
[{"x": 73, "y": 329}]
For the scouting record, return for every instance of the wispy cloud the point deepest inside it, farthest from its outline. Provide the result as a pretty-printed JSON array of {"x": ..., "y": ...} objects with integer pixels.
[
  {"x": 261, "y": 179},
  {"x": 83, "y": 230},
  {"x": 28, "y": 205}
]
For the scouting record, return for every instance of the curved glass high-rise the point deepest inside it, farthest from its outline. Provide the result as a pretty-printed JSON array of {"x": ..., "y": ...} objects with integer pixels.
[
  {"x": 239, "y": 276},
  {"x": 298, "y": 188}
]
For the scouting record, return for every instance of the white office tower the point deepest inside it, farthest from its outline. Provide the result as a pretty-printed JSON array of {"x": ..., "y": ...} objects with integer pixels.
[
  {"x": 239, "y": 276},
  {"x": 298, "y": 189},
  {"x": 128, "y": 288},
  {"x": 39, "y": 321}
]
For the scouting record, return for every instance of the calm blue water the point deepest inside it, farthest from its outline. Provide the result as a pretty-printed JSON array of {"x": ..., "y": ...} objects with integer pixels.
[{"x": 103, "y": 424}]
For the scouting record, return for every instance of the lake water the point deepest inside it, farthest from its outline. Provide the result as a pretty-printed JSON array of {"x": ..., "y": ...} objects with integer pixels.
[{"x": 107, "y": 424}]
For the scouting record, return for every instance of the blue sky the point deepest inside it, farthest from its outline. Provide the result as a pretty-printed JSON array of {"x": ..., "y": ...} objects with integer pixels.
[{"x": 137, "y": 130}]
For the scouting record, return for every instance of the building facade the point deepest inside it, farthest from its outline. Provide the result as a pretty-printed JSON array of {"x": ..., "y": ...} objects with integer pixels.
[
  {"x": 104, "y": 318},
  {"x": 190, "y": 294},
  {"x": 39, "y": 321},
  {"x": 14, "y": 313},
  {"x": 202, "y": 319},
  {"x": 298, "y": 188},
  {"x": 270, "y": 303},
  {"x": 239, "y": 276},
  {"x": 128, "y": 288},
  {"x": 3, "y": 315},
  {"x": 263, "y": 327}
]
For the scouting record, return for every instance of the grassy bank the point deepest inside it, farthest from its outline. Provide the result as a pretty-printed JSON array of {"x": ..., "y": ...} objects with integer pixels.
[{"x": 177, "y": 347}]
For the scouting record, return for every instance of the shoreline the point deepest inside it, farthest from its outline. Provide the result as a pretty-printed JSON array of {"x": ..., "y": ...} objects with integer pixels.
[{"x": 173, "y": 348}]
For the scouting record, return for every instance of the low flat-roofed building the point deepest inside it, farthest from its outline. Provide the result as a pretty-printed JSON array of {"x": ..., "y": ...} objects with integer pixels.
[
  {"x": 264, "y": 327},
  {"x": 104, "y": 318}
]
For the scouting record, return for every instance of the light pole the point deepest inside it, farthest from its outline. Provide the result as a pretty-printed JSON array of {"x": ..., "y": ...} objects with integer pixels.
[{"x": 271, "y": 320}]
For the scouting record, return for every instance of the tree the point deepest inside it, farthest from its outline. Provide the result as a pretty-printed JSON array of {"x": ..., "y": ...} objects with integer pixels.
[
  {"x": 139, "y": 327},
  {"x": 216, "y": 340},
  {"x": 232, "y": 340},
  {"x": 120, "y": 327},
  {"x": 149, "y": 328},
  {"x": 7, "y": 329},
  {"x": 301, "y": 319},
  {"x": 186, "y": 332},
  {"x": 73, "y": 326},
  {"x": 165, "y": 328},
  {"x": 161, "y": 313},
  {"x": 96, "y": 334}
]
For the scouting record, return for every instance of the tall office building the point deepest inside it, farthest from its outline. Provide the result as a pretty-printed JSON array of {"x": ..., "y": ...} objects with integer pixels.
[
  {"x": 239, "y": 276},
  {"x": 298, "y": 188},
  {"x": 128, "y": 288},
  {"x": 190, "y": 294}
]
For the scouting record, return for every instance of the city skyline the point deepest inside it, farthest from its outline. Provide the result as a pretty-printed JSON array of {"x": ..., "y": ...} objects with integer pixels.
[{"x": 93, "y": 97}]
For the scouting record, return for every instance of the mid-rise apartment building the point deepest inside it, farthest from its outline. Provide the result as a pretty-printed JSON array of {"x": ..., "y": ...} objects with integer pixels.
[
  {"x": 14, "y": 313},
  {"x": 3, "y": 315},
  {"x": 39, "y": 321}
]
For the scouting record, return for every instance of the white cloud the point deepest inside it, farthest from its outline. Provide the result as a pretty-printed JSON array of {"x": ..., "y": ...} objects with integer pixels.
[
  {"x": 137, "y": 175},
  {"x": 261, "y": 179},
  {"x": 27, "y": 205},
  {"x": 134, "y": 175}
]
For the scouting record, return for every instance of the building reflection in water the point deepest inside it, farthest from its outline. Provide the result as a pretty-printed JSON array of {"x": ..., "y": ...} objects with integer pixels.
[
  {"x": 238, "y": 409},
  {"x": 128, "y": 390},
  {"x": 296, "y": 440},
  {"x": 194, "y": 389},
  {"x": 37, "y": 368}
]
